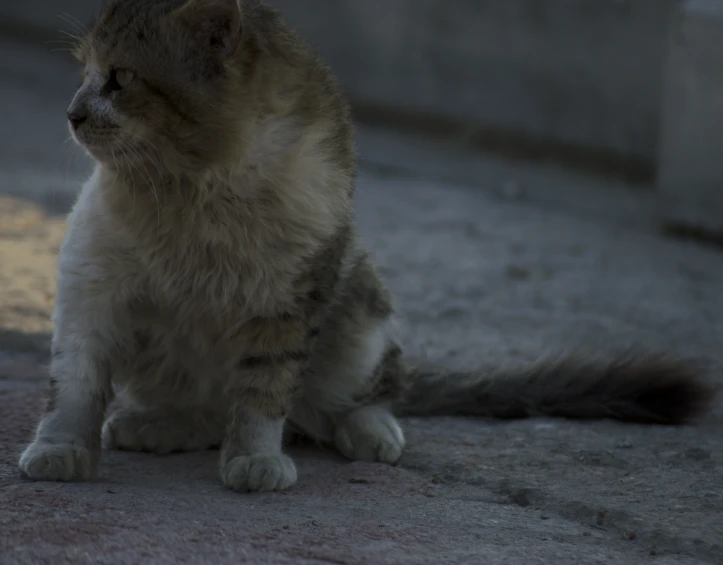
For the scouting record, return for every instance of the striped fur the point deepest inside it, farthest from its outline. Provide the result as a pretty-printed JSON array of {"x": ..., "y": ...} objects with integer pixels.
[
  {"x": 211, "y": 270},
  {"x": 642, "y": 388}
]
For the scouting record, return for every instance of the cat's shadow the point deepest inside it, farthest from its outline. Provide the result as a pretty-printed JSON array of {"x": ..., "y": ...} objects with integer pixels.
[{"x": 182, "y": 470}]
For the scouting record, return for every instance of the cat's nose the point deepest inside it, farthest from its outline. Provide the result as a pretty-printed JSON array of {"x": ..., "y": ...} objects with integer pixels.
[{"x": 76, "y": 117}]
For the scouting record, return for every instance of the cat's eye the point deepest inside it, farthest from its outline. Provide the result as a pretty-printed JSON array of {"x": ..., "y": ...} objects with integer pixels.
[{"x": 119, "y": 79}]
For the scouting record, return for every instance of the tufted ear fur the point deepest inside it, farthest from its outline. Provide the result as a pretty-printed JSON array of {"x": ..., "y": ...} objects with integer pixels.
[{"x": 214, "y": 22}]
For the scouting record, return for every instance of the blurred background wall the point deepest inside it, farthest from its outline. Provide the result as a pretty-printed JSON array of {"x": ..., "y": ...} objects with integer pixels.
[{"x": 622, "y": 87}]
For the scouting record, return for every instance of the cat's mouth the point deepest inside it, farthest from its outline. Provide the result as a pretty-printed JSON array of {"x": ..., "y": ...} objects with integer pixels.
[
  {"x": 102, "y": 145},
  {"x": 102, "y": 151},
  {"x": 112, "y": 146}
]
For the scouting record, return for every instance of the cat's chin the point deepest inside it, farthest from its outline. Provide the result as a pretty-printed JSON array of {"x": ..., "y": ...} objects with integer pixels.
[
  {"x": 102, "y": 156},
  {"x": 104, "y": 151}
]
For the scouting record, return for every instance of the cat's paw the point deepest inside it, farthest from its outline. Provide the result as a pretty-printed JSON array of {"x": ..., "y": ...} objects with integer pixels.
[
  {"x": 158, "y": 431},
  {"x": 259, "y": 473},
  {"x": 45, "y": 461},
  {"x": 129, "y": 429},
  {"x": 370, "y": 434}
]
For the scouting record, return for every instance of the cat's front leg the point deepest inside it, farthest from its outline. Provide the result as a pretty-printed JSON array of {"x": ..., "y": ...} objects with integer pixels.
[
  {"x": 260, "y": 394},
  {"x": 92, "y": 322},
  {"x": 67, "y": 441},
  {"x": 252, "y": 458}
]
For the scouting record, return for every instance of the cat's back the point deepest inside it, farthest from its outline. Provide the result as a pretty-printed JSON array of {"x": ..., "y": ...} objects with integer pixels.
[{"x": 290, "y": 77}]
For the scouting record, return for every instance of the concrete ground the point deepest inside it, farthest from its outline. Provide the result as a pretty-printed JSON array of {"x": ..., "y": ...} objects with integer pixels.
[{"x": 493, "y": 263}]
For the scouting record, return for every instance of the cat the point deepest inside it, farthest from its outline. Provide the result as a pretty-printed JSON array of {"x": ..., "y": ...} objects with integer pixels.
[{"x": 212, "y": 272}]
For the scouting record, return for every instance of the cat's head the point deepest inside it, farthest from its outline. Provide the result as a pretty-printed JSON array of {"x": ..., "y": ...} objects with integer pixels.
[{"x": 159, "y": 84}]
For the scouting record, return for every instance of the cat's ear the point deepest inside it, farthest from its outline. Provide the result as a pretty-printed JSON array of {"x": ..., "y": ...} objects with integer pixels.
[{"x": 216, "y": 22}]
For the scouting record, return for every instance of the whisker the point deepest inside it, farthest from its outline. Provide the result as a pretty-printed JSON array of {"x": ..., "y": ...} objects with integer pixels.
[
  {"x": 75, "y": 22},
  {"x": 149, "y": 177},
  {"x": 150, "y": 157},
  {"x": 75, "y": 37},
  {"x": 131, "y": 160},
  {"x": 156, "y": 162},
  {"x": 127, "y": 161}
]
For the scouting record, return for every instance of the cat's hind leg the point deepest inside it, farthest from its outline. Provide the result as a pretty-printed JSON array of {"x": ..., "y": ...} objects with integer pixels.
[
  {"x": 348, "y": 395},
  {"x": 163, "y": 429}
]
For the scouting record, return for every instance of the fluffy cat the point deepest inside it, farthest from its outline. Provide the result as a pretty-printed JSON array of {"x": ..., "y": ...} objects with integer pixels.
[{"x": 212, "y": 272}]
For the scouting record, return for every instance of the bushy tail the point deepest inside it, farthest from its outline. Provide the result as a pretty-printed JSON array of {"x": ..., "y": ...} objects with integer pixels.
[{"x": 645, "y": 389}]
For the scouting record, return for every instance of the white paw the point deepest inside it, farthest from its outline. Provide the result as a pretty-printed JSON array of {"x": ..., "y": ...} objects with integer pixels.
[
  {"x": 370, "y": 434},
  {"x": 259, "y": 473},
  {"x": 44, "y": 461}
]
